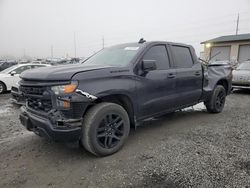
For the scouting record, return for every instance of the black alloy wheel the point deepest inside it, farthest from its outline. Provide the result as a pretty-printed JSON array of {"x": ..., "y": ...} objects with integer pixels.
[
  {"x": 216, "y": 102},
  {"x": 2, "y": 88},
  {"x": 110, "y": 131},
  {"x": 220, "y": 100}
]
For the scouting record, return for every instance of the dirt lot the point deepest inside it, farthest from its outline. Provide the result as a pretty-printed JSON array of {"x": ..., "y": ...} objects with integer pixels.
[{"x": 187, "y": 149}]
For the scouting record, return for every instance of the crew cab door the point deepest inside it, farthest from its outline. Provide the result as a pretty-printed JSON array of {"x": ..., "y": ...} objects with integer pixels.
[
  {"x": 156, "y": 90},
  {"x": 188, "y": 75}
]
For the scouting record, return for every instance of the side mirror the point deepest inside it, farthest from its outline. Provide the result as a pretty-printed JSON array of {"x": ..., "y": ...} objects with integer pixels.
[
  {"x": 148, "y": 65},
  {"x": 12, "y": 73}
]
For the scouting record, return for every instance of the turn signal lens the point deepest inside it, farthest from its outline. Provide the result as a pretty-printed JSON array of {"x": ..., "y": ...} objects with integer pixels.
[
  {"x": 65, "y": 89},
  {"x": 70, "y": 88},
  {"x": 66, "y": 104}
]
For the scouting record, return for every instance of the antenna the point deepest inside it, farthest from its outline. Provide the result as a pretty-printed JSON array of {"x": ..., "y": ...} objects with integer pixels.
[{"x": 141, "y": 41}]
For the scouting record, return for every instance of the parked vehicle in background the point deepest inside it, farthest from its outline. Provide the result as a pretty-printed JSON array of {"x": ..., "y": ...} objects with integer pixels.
[
  {"x": 10, "y": 76},
  {"x": 63, "y": 61},
  {"x": 241, "y": 76},
  {"x": 97, "y": 101},
  {"x": 37, "y": 62},
  {"x": 16, "y": 95},
  {"x": 6, "y": 64},
  {"x": 23, "y": 61},
  {"x": 221, "y": 62},
  {"x": 232, "y": 64}
]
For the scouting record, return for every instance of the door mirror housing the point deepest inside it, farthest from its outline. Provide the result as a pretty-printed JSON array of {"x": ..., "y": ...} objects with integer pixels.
[
  {"x": 12, "y": 73},
  {"x": 148, "y": 65}
]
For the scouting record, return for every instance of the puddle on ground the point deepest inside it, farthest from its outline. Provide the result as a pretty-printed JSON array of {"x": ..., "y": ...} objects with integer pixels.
[{"x": 5, "y": 109}]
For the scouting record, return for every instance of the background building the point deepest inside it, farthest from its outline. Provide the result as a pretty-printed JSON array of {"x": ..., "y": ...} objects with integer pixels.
[{"x": 230, "y": 47}]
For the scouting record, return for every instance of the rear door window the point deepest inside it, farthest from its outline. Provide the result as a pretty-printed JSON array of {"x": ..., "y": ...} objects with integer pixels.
[{"x": 182, "y": 57}]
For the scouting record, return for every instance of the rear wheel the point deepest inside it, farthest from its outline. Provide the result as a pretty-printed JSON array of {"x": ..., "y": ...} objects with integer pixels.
[
  {"x": 2, "y": 87},
  {"x": 217, "y": 101},
  {"x": 105, "y": 129}
]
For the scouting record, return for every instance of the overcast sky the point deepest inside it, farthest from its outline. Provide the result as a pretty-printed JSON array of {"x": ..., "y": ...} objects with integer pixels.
[{"x": 31, "y": 27}]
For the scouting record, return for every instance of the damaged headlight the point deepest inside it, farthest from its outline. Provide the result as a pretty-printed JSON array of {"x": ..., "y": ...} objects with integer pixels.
[{"x": 65, "y": 89}]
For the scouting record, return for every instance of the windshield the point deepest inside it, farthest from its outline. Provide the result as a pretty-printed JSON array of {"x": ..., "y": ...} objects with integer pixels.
[
  {"x": 244, "y": 66},
  {"x": 115, "y": 56},
  {"x": 9, "y": 69}
]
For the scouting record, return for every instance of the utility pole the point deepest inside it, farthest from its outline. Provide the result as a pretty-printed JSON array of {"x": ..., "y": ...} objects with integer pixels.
[
  {"x": 237, "y": 26},
  {"x": 102, "y": 42},
  {"x": 75, "y": 43},
  {"x": 24, "y": 53},
  {"x": 51, "y": 51}
]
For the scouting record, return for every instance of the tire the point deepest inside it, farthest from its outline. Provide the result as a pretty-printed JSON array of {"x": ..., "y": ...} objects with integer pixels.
[
  {"x": 105, "y": 129},
  {"x": 2, "y": 88},
  {"x": 217, "y": 101}
]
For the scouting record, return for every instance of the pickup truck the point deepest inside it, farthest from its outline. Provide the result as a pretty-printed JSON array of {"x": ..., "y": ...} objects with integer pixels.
[{"x": 97, "y": 102}]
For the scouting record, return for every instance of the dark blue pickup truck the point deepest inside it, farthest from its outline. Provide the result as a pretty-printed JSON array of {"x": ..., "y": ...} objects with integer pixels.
[{"x": 97, "y": 102}]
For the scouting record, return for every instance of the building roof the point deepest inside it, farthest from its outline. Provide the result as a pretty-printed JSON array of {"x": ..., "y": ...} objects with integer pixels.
[{"x": 229, "y": 38}]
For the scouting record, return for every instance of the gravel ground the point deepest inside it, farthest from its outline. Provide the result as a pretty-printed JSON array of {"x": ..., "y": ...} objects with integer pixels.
[{"x": 190, "y": 148}]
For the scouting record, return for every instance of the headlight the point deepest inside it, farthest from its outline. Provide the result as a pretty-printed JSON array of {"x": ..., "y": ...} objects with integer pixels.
[{"x": 65, "y": 89}]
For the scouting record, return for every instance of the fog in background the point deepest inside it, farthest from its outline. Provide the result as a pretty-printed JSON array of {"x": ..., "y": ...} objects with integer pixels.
[{"x": 34, "y": 27}]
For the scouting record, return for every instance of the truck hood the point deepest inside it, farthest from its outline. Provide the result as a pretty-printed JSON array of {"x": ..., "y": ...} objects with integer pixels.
[{"x": 62, "y": 72}]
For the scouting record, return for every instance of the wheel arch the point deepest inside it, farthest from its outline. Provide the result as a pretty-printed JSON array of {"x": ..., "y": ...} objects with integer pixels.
[
  {"x": 224, "y": 83},
  {"x": 122, "y": 100},
  {"x": 5, "y": 86}
]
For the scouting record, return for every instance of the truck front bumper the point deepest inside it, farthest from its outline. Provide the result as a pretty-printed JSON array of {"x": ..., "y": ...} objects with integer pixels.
[
  {"x": 63, "y": 130},
  {"x": 16, "y": 96}
]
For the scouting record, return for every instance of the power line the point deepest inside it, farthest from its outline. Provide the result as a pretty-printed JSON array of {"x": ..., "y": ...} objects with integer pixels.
[
  {"x": 102, "y": 42},
  {"x": 211, "y": 27},
  {"x": 202, "y": 25},
  {"x": 24, "y": 52},
  {"x": 51, "y": 51},
  {"x": 75, "y": 43}
]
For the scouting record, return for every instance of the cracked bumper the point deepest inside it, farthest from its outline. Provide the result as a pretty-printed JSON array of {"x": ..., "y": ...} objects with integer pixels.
[{"x": 67, "y": 130}]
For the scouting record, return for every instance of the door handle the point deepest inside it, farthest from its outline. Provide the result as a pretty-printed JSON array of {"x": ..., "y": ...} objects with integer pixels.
[
  {"x": 197, "y": 73},
  {"x": 171, "y": 75}
]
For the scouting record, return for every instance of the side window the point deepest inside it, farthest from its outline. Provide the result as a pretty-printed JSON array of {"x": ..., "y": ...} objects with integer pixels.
[
  {"x": 19, "y": 70},
  {"x": 182, "y": 57},
  {"x": 37, "y": 66},
  {"x": 159, "y": 54}
]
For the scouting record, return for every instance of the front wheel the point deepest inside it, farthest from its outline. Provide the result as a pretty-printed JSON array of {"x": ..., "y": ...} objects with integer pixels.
[
  {"x": 2, "y": 88},
  {"x": 217, "y": 101},
  {"x": 105, "y": 128}
]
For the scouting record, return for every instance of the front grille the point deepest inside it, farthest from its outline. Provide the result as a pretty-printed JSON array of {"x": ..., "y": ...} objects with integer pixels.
[
  {"x": 32, "y": 90},
  {"x": 37, "y": 98},
  {"x": 39, "y": 104}
]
